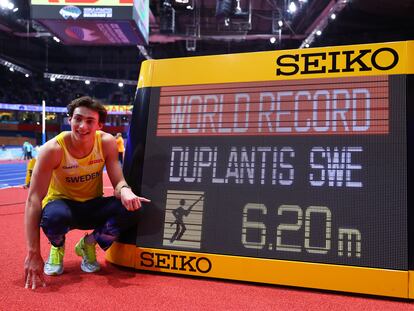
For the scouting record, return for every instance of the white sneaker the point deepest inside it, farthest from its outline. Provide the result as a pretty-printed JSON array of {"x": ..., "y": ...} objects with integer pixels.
[
  {"x": 88, "y": 254},
  {"x": 54, "y": 264}
]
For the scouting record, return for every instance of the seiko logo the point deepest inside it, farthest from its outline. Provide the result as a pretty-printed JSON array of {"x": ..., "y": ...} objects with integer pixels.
[
  {"x": 176, "y": 262},
  {"x": 336, "y": 61}
]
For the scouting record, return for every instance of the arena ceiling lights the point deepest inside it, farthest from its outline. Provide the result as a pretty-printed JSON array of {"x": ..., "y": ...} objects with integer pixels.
[
  {"x": 330, "y": 12},
  {"x": 14, "y": 67},
  {"x": 8, "y": 5},
  {"x": 55, "y": 76}
]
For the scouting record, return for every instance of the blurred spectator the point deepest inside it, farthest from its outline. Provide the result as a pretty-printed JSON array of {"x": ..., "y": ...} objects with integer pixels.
[
  {"x": 27, "y": 150},
  {"x": 121, "y": 147}
]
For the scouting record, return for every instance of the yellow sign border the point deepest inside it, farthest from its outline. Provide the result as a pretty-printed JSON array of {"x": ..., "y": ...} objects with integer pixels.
[
  {"x": 262, "y": 66},
  {"x": 373, "y": 281}
]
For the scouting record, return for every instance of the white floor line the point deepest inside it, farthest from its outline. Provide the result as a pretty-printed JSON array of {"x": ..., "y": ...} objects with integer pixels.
[
  {"x": 8, "y": 187},
  {"x": 2, "y": 180}
]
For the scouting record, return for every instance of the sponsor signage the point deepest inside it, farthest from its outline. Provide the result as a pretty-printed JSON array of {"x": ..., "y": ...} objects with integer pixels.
[
  {"x": 19, "y": 107},
  {"x": 70, "y": 11},
  {"x": 119, "y": 109},
  {"x": 333, "y": 62}
]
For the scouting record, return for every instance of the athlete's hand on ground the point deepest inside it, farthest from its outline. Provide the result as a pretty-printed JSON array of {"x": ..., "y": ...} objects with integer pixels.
[
  {"x": 33, "y": 271},
  {"x": 131, "y": 201}
]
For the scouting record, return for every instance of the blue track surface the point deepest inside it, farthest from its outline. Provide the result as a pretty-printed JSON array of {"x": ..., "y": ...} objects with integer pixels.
[{"x": 12, "y": 174}]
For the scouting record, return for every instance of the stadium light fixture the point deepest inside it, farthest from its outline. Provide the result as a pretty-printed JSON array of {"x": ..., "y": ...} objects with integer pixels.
[
  {"x": 7, "y": 5},
  {"x": 15, "y": 67},
  {"x": 292, "y": 7},
  {"x": 224, "y": 8},
  {"x": 3, "y": 4},
  {"x": 91, "y": 79},
  {"x": 333, "y": 8}
]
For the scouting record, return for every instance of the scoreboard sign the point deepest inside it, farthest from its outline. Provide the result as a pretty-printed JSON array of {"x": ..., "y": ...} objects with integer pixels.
[
  {"x": 95, "y": 22},
  {"x": 286, "y": 167}
]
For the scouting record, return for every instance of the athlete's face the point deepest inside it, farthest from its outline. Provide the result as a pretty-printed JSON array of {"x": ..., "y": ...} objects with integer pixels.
[{"x": 84, "y": 123}]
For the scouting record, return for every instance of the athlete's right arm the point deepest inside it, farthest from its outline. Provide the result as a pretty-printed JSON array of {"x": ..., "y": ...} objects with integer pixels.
[{"x": 49, "y": 158}]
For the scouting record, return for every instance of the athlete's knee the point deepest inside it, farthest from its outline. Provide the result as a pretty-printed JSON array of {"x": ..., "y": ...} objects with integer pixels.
[
  {"x": 107, "y": 234},
  {"x": 56, "y": 215}
]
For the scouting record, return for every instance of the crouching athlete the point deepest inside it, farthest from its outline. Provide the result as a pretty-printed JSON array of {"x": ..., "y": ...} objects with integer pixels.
[{"x": 66, "y": 193}]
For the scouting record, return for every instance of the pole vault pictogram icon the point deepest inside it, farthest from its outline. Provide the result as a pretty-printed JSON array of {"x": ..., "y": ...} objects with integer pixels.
[{"x": 179, "y": 213}]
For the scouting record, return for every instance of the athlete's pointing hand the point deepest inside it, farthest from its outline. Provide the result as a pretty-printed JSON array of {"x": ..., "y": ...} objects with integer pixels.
[{"x": 131, "y": 201}]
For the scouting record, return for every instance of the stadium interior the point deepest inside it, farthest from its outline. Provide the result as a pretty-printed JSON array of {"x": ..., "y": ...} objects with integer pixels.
[{"x": 251, "y": 156}]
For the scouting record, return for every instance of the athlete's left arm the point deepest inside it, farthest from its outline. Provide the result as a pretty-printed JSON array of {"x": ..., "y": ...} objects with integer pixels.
[{"x": 122, "y": 191}]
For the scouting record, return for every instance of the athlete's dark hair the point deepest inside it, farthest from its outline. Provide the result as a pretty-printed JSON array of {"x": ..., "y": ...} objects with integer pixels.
[{"x": 88, "y": 102}]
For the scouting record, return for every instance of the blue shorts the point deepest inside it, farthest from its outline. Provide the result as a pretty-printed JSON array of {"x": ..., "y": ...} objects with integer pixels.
[{"x": 106, "y": 216}]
